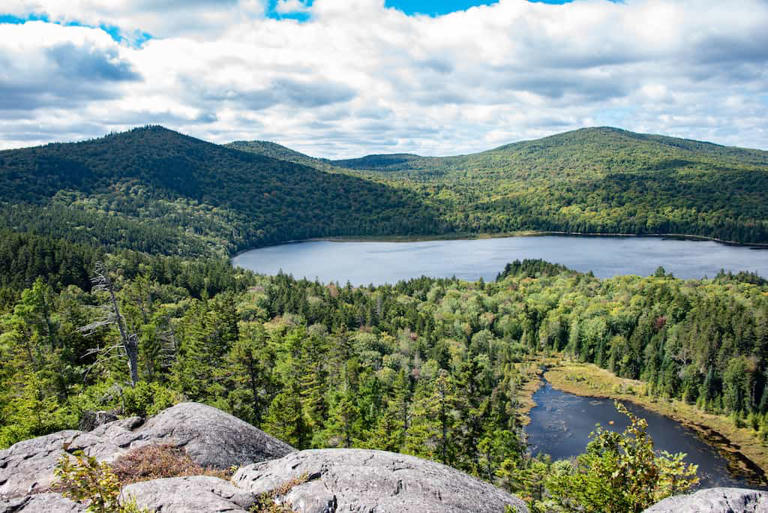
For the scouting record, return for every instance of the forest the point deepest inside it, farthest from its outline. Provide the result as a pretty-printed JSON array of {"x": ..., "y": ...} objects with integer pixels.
[
  {"x": 160, "y": 192},
  {"x": 593, "y": 180},
  {"x": 116, "y": 293},
  {"x": 430, "y": 367},
  {"x": 157, "y": 191}
]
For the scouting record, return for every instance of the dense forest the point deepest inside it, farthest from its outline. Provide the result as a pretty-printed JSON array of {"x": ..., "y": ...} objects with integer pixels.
[
  {"x": 160, "y": 192},
  {"x": 116, "y": 294},
  {"x": 595, "y": 180},
  {"x": 431, "y": 367}
]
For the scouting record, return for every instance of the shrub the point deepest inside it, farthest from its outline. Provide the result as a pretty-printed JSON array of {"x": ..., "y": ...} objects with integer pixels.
[
  {"x": 159, "y": 461},
  {"x": 267, "y": 502},
  {"x": 87, "y": 481},
  {"x": 620, "y": 473}
]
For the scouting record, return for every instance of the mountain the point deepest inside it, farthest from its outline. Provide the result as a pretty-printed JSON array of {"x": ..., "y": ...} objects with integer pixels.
[
  {"x": 593, "y": 180},
  {"x": 277, "y": 151},
  {"x": 158, "y": 191},
  {"x": 382, "y": 162}
]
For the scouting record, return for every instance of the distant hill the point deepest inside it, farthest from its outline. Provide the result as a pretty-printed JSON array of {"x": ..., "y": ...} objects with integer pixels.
[
  {"x": 593, "y": 180},
  {"x": 158, "y": 191},
  {"x": 277, "y": 151},
  {"x": 394, "y": 161}
]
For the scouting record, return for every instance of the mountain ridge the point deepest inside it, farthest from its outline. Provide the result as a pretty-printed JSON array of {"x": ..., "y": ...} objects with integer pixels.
[
  {"x": 159, "y": 191},
  {"x": 157, "y": 185},
  {"x": 680, "y": 142},
  {"x": 590, "y": 180}
]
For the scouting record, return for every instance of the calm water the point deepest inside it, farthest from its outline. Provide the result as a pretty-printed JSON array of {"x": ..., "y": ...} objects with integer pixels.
[
  {"x": 561, "y": 424},
  {"x": 362, "y": 263}
]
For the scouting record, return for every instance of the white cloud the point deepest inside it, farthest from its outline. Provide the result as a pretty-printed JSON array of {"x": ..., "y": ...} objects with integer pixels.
[
  {"x": 358, "y": 77},
  {"x": 291, "y": 7}
]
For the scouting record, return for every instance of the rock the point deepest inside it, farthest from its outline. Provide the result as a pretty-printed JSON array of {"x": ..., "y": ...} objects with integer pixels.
[
  {"x": 337, "y": 480},
  {"x": 27, "y": 467},
  {"x": 90, "y": 420},
  {"x": 715, "y": 500},
  {"x": 41, "y": 503},
  {"x": 189, "y": 495},
  {"x": 211, "y": 437}
]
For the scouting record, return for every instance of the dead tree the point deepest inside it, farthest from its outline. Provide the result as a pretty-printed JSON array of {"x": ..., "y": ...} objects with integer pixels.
[{"x": 129, "y": 342}]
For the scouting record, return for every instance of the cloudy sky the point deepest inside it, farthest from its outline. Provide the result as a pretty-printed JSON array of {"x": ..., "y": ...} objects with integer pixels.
[{"x": 340, "y": 78}]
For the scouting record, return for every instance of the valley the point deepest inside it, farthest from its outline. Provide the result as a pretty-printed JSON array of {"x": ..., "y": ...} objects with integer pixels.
[{"x": 433, "y": 348}]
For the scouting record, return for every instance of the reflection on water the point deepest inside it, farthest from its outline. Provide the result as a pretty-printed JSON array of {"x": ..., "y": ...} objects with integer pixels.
[
  {"x": 362, "y": 263},
  {"x": 561, "y": 424}
]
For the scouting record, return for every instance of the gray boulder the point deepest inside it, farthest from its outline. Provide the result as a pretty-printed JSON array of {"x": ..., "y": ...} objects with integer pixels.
[
  {"x": 189, "y": 495},
  {"x": 356, "y": 480},
  {"x": 715, "y": 500},
  {"x": 41, "y": 503},
  {"x": 27, "y": 467},
  {"x": 211, "y": 437}
]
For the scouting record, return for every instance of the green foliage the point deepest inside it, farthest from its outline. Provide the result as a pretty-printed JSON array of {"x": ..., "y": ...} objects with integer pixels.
[
  {"x": 157, "y": 191},
  {"x": 430, "y": 367},
  {"x": 619, "y": 473},
  {"x": 83, "y": 479},
  {"x": 594, "y": 180}
]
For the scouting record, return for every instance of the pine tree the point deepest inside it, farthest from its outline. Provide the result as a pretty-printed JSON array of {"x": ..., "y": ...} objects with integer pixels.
[{"x": 285, "y": 418}]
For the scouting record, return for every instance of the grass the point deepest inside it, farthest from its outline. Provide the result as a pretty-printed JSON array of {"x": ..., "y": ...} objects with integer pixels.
[{"x": 746, "y": 453}]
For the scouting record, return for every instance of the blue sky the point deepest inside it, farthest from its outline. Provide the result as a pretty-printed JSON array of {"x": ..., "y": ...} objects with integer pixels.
[
  {"x": 114, "y": 32},
  {"x": 436, "y": 7},
  {"x": 430, "y": 7}
]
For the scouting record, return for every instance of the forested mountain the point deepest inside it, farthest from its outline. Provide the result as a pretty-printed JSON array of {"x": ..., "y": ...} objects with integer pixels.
[
  {"x": 594, "y": 180},
  {"x": 277, "y": 151},
  {"x": 158, "y": 191}
]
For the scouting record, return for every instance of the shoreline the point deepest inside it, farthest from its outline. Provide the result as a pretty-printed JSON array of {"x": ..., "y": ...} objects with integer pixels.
[
  {"x": 503, "y": 235},
  {"x": 745, "y": 453}
]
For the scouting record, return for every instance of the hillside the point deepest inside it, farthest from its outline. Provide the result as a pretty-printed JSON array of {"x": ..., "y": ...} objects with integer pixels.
[
  {"x": 601, "y": 180},
  {"x": 155, "y": 190},
  {"x": 280, "y": 152},
  {"x": 593, "y": 180}
]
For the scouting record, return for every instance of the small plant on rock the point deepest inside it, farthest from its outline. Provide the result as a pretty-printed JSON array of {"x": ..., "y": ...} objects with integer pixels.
[
  {"x": 84, "y": 479},
  {"x": 267, "y": 502}
]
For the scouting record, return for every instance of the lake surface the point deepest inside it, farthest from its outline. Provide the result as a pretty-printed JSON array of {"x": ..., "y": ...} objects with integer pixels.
[
  {"x": 362, "y": 263},
  {"x": 561, "y": 424}
]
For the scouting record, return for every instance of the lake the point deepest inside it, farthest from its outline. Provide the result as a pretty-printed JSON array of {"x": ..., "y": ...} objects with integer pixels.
[
  {"x": 561, "y": 424},
  {"x": 363, "y": 263}
]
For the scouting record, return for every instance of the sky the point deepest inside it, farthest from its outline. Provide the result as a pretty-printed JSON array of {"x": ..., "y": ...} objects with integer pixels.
[{"x": 343, "y": 78}]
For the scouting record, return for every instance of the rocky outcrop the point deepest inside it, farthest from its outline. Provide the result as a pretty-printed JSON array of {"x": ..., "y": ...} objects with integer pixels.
[
  {"x": 189, "y": 495},
  {"x": 336, "y": 480},
  {"x": 715, "y": 500},
  {"x": 27, "y": 467},
  {"x": 41, "y": 503},
  {"x": 211, "y": 437}
]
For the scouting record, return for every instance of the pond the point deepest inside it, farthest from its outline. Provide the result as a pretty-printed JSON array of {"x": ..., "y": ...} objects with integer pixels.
[
  {"x": 363, "y": 263},
  {"x": 561, "y": 424}
]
